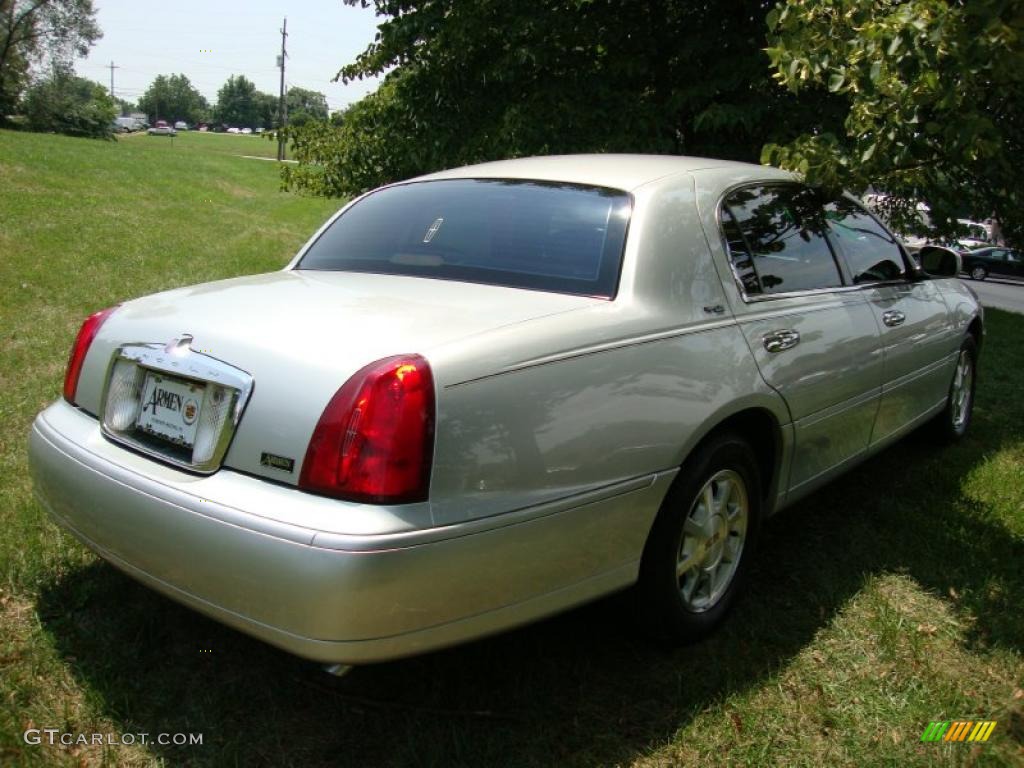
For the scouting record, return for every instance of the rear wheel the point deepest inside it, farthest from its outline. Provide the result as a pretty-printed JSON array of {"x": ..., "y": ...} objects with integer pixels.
[
  {"x": 700, "y": 547},
  {"x": 978, "y": 273}
]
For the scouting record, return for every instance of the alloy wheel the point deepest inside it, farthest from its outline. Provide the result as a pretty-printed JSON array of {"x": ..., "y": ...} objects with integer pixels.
[
  {"x": 963, "y": 386},
  {"x": 712, "y": 543}
]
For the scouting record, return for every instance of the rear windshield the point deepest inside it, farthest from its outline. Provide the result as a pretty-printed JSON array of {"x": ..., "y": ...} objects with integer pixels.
[{"x": 544, "y": 236}]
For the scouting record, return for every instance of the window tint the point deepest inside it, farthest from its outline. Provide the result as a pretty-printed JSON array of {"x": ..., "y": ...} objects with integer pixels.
[
  {"x": 871, "y": 253},
  {"x": 566, "y": 238},
  {"x": 779, "y": 230}
]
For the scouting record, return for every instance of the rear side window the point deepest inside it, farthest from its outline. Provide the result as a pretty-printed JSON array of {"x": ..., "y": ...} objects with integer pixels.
[
  {"x": 777, "y": 243},
  {"x": 871, "y": 253},
  {"x": 565, "y": 238}
]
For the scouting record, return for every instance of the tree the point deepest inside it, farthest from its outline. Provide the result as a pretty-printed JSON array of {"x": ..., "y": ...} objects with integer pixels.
[
  {"x": 474, "y": 80},
  {"x": 933, "y": 102},
  {"x": 237, "y": 103},
  {"x": 64, "y": 103},
  {"x": 40, "y": 31},
  {"x": 267, "y": 107},
  {"x": 173, "y": 98},
  {"x": 305, "y": 105},
  {"x": 125, "y": 107},
  {"x": 357, "y": 151}
]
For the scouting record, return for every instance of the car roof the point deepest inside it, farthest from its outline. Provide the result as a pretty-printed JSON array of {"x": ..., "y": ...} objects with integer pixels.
[{"x": 606, "y": 170}]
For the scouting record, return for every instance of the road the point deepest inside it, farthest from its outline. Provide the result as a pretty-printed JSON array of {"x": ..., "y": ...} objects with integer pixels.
[{"x": 1002, "y": 294}]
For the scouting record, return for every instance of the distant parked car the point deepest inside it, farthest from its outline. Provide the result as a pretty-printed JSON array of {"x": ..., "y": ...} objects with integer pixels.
[
  {"x": 162, "y": 129},
  {"x": 247, "y": 131},
  {"x": 181, "y": 125},
  {"x": 978, "y": 235},
  {"x": 234, "y": 130},
  {"x": 998, "y": 262},
  {"x": 126, "y": 124}
]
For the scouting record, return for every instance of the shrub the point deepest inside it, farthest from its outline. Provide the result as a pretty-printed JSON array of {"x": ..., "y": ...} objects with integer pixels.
[{"x": 65, "y": 103}]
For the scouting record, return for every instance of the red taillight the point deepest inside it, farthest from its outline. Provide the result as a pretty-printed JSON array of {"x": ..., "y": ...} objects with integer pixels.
[
  {"x": 374, "y": 442},
  {"x": 86, "y": 334}
]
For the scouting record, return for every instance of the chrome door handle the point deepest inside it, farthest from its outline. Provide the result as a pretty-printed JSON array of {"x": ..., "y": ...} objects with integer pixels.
[
  {"x": 893, "y": 317},
  {"x": 776, "y": 341}
]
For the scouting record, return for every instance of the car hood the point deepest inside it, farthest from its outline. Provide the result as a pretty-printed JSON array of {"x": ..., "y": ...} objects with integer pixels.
[{"x": 302, "y": 334}]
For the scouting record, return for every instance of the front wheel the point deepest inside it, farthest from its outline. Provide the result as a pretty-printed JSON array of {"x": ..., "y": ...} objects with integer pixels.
[
  {"x": 953, "y": 422},
  {"x": 978, "y": 273},
  {"x": 701, "y": 545}
]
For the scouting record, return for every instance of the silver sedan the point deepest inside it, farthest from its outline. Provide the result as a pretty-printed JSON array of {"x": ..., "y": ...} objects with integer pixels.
[{"x": 487, "y": 395}]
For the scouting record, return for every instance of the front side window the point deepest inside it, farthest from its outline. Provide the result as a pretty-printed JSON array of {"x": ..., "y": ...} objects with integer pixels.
[
  {"x": 566, "y": 238},
  {"x": 872, "y": 254},
  {"x": 776, "y": 236}
]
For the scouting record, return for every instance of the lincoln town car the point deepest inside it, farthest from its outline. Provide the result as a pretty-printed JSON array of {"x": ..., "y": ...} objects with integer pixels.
[{"x": 486, "y": 395}]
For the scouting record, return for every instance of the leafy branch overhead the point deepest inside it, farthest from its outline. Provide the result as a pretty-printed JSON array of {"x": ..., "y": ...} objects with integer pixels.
[
  {"x": 920, "y": 99},
  {"x": 933, "y": 98},
  {"x": 474, "y": 80}
]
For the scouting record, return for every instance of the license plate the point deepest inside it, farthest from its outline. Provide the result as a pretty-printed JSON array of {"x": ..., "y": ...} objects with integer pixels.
[{"x": 170, "y": 409}]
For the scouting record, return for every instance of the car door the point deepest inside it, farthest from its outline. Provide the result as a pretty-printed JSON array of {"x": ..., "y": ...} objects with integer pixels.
[
  {"x": 918, "y": 340},
  {"x": 815, "y": 341},
  {"x": 1016, "y": 264},
  {"x": 1007, "y": 263},
  {"x": 998, "y": 263}
]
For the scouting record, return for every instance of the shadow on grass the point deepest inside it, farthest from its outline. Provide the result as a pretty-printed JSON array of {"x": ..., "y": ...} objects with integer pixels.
[{"x": 577, "y": 689}]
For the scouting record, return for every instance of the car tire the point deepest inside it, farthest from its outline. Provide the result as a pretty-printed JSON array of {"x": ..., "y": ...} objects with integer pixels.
[
  {"x": 978, "y": 273},
  {"x": 955, "y": 419},
  {"x": 695, "y": 563}
]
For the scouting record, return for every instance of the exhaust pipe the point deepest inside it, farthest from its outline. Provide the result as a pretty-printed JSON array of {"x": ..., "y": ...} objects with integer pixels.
[{"x": 338, "y": 670}]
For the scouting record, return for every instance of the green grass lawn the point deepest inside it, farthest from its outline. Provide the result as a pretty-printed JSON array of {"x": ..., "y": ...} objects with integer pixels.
[{"x": 887, "y": 600}]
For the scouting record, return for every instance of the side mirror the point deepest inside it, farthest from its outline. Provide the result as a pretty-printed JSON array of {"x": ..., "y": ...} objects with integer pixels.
[{"x": 937, "y": 261}]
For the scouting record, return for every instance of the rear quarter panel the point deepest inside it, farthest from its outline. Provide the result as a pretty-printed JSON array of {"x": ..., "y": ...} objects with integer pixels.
[{"x": 564, "y": 405}]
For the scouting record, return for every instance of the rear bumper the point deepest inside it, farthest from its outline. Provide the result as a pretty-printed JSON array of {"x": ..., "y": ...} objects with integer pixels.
[{"x": 319, "y": 594}]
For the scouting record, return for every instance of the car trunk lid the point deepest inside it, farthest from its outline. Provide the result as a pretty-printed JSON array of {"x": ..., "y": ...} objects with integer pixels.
[{"x": 302, "y": 334}]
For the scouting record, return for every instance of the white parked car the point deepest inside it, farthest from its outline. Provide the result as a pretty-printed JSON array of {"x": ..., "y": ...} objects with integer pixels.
[
  {"x": 493, "y": 393},
  {"x": 161, "y": 129},
  {"x": 181, "y": 125},
  {"x": 126, "y": 124}
]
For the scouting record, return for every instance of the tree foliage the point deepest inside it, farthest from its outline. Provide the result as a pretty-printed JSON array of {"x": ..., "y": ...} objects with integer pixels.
[
  {"x": 361, "y": 150},
  {"x": 932, "y": 93},
  {"x": 125, "y": 107},
  {"x": 305, "y": 105},
  {"x": 268, "y": 108},
  {"x": 473, "y": 80},
  {"x": 239, "y": 104},
  {"x": 64, "y": 103},
  {"x": 49, "y": 32},
  {"x": 173, "y": 98}
]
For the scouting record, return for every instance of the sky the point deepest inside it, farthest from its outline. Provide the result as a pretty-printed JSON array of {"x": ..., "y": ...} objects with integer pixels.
[{"x": 209, "y": 41}]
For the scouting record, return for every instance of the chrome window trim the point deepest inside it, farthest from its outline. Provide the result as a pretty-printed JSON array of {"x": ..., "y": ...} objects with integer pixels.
[
  {"x": 840, "y": 260},
  {"x": 182, "y": 361}
]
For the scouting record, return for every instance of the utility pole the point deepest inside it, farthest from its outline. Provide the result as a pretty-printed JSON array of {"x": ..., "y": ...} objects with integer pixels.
[
  {"x": 112, "y": 68},
  {"x": 282, "y": 108}
]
